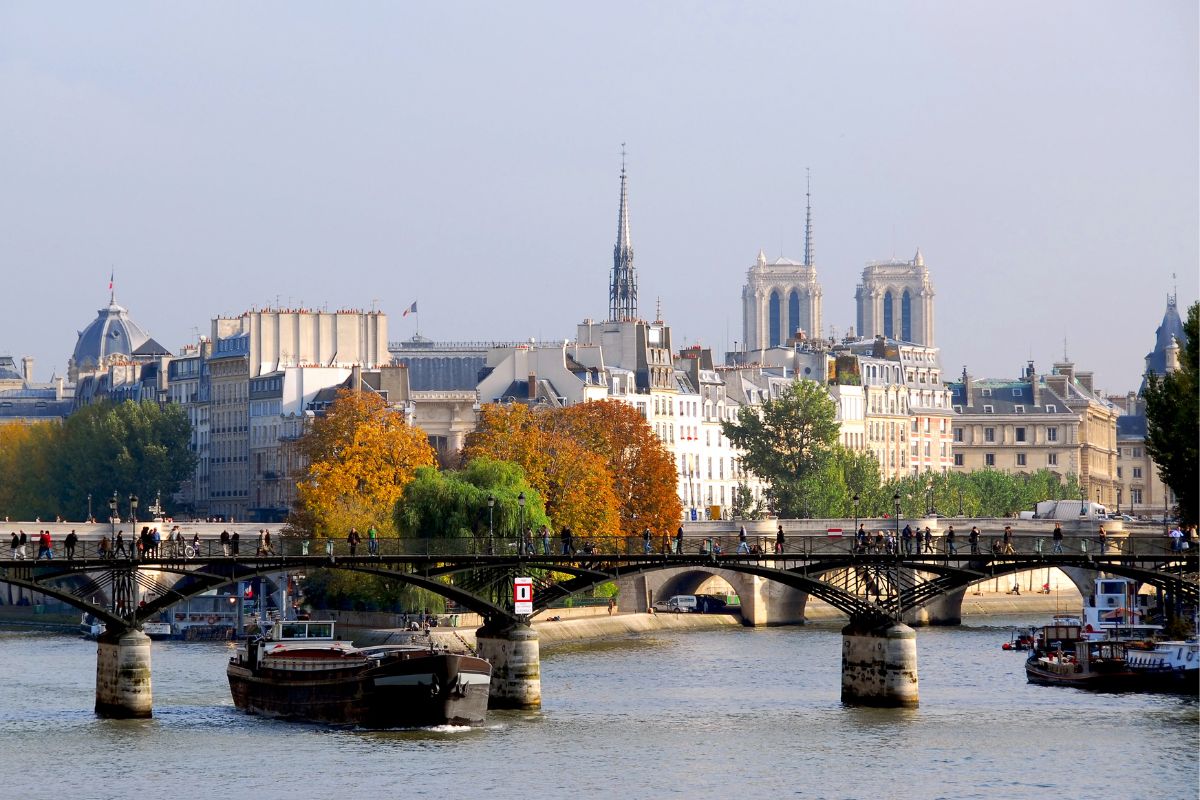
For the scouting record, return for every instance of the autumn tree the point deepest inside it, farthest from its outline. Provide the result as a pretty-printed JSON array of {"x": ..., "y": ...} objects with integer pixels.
[
  {"x": 642, "y": 469},
  {"x": 1173, "y": 422},
  {"x": 360, "y": 456},
  {"x": 787, "y": 441},
  {"x": 574, "y": 482}
]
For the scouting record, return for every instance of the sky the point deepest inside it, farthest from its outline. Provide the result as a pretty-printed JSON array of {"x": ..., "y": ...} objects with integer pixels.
[{"x": 221, "y": 156}]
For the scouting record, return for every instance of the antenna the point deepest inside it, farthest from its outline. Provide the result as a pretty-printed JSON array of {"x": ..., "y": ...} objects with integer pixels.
[
  {"x": 808, "y": 254},
  {"x": 622, "y": 158}
]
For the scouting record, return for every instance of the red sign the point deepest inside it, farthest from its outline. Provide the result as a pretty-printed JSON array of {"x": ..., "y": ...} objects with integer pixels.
[
  {"x": 522, "y": 595},
  {"x": 833, "y": 532}
]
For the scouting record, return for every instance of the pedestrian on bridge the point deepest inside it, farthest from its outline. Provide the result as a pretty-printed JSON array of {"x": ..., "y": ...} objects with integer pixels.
[
  {"x": 679, "y": 541},
  {"x": 352, "y": 538},
  {"x": 234, "y": 539},
  {"x": 119, "y": 546},
  {"x": 779, "y": 540},
  {"x": 372, "y": 541},
  {"x": 16, "y": 544},
  {"x": 973, "y": 539},
  {"x": 1057, "y": 536},
  {"x": 928, "y": 540},
  {"x": 105, "y": 547},
  {"x": 225, "y": 543},
  {"x": 1008, "y": 541},
  {"x": 906, "y": 537},
  {"x": 646, "y": 541},
  {"x": 46, "y": 548},
  {"x": 951, "y": 548},
  {"x": 69, "y": 544},
  {"x": 565, "y": 536},
  {"x": 545, "y": 540}
]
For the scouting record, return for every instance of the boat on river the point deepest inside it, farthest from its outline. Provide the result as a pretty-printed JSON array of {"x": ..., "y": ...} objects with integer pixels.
[
  {"x": 90, "y": 627},
  {"x": 1171, "y": 666},
  {"x": 299, "y": 671},
  {"x": 1063, "y": 657}
]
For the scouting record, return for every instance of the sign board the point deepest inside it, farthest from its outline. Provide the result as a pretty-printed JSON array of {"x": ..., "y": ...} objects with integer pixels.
[
  {"x": 523, "y": 596},
  {"x": 834, "y": 532}
]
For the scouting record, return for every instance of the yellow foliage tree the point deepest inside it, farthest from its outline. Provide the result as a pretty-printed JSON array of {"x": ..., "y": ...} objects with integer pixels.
[
  {"x": 574, "y": 482},
  {"x": 360, "y": 456}
]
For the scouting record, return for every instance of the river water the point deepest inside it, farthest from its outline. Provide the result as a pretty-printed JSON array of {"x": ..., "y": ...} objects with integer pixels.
[{"x": 734, "y": 713}]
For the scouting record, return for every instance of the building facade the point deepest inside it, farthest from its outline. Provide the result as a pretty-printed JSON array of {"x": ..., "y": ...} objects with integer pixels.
[{"x": 896, "y": 300}]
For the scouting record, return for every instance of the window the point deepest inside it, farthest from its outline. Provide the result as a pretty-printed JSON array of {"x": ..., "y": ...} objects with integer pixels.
[
  {"x": 1016, "y": 392},
  {"x": 1020, "y": 432},
  {"x": 1120, "y": 472},
  {"x": 989, "y": 434},
  {"x": 1019, "y": 409},
  {"x": 1135, "y": 496},
  {"x": 1020, "y": 459},
  {"x": 1137, "y": 472},
  {"x": 1137, "y": 452},
  {"x": 1052, "y": 459},
  {"x": 958, "y": 434},
  {"x": 1050, "y": 408},
  {"x": 986, "y": 392},
  {"x": 958, "y": 409},
  {"x": 1051, "y": 434},
  {"x": 989, "y": 459},
  {"x": 989, "y": 410}
]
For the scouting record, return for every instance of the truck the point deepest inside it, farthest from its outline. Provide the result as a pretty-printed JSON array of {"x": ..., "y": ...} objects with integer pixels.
[{"x": 1068, "y": 509}]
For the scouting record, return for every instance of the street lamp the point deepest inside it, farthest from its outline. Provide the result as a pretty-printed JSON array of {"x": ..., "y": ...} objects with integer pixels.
[
  {"x": 89, "y": 516},
  {"x": 1118, "y": 502},
  {"x": 521, "y": 526},
  {"x": 491, "y": 505},
  {"x": 133, "y": 504},
  {"x": 929, "y": 499},
  {"x": 960, "y": 503},
  {"x": 855, "y": 500},
  {"x": 896, "y": 503},
  {"x": 1082, "y": 501},
  {"x": 112, "y": 515}
]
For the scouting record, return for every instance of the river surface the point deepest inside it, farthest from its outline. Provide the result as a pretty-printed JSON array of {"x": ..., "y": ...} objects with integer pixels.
[{"x": 735, "y": 713}]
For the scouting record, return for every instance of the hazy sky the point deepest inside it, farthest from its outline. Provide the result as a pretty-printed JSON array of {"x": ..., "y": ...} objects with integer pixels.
[{"x": 220, "y": 156}]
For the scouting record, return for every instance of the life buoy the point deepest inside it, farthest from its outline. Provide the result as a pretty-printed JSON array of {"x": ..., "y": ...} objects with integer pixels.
[{"x": 212, "y": 620}]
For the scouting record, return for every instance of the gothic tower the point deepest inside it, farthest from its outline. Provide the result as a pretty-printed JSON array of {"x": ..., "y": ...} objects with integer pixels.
[
  {"x": 782, "y": 298},
  {"x": 895, "y": 300},
  {"x": 622, "y": 290}
]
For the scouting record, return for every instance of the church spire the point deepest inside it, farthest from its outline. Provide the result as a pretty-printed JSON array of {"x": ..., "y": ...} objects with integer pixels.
[
  {"x": 808, "y": 242},
  {"x": 622, "y": 291}
]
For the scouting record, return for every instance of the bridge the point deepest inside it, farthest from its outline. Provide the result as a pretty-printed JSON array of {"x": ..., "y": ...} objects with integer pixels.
[{"x": 878, "y": 590}]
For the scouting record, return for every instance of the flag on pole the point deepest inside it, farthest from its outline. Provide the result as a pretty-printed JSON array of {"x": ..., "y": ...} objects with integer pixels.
[
  {"x": 410, "y": 310},
  {"x": 110, "y": 280}
]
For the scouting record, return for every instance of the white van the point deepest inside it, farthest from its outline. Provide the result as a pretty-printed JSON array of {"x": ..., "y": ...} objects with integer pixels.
[{"x": 679, "y": 604}]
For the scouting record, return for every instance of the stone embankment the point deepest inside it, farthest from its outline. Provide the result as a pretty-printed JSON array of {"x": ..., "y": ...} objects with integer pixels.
[{"x": 593, "y": 625}]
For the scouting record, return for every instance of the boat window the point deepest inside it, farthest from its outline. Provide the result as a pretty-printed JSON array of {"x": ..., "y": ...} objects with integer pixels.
[{"x": 320, "y": 630}]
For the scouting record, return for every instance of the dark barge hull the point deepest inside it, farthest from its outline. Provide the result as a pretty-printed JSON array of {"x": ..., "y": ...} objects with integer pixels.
[
  {"x": 1103, "y": 681},
  {"x": 422, "y": 691}
]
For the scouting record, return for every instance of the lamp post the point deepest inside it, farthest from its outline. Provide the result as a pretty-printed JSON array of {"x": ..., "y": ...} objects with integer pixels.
[
  {"x": 89, "y": 516},
  {"x": 896, "y": 503},
  {"x": 855, "y": 501},
  {"x": 112, "y": 516},
  {"x": 521, "y": 525},
  {"x": 133, "y": 504},
  {"x": 929, "y": 499},
  {"x": 1118, "y": 502},
  {"x": 1082, "y": 501},
  {"x": 960, "y": 503},
  {"x": 491, "y": 506}
]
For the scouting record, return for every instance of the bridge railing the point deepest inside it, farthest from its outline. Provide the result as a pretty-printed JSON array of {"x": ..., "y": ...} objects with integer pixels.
[{"x": 793, "y": 545}]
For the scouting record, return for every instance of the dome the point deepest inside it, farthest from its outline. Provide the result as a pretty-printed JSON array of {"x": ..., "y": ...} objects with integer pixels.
[{"x": 112, "y": 333}]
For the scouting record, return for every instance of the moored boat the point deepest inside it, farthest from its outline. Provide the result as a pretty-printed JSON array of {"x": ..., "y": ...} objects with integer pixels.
[
  {"x": 1172, "y": 666},
  {"x": 90, "y": 627},
  {"x": 300, "y": 671},
  {"x": 1063, "y": 657}
]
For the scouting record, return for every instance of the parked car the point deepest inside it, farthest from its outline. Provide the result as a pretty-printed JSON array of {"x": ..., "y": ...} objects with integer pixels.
[{"x": 679, "y": 604}]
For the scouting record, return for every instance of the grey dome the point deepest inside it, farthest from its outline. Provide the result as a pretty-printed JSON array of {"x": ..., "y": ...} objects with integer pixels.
[{"x": 112, "y": 333}]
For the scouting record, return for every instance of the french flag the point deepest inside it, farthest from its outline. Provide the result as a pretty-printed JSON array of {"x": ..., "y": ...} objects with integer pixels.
[{"x": 410, "y": 310}]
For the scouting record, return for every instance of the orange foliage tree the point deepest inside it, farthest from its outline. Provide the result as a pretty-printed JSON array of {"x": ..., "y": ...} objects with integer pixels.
[
  {"x": 574, "y": 482},
  {"x": 642, "y": 469},
  {"x": 360, "y": 456}
]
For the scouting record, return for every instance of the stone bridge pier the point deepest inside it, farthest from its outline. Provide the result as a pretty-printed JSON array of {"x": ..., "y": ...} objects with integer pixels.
[
  {"x": 879, "y": 664},
  {"x": 764, "y": 602},
  {"x": 515, "y": 656},
  {"x": 123, "y": 675}
]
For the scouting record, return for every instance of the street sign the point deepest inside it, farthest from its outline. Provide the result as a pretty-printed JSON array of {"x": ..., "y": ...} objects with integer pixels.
[
  {"x": 522, "y": 596},
  {"x": 835, "y": 532}
]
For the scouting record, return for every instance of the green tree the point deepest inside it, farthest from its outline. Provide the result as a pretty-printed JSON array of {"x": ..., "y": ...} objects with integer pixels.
[
  {"x": 787, "y": 441},
  {"x": 1173, "y": 422}
]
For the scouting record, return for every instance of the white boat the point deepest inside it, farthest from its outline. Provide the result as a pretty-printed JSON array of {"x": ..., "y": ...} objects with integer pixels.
[
  {"x": 1115, "y": 611},
  {"x": 90, "y": 627},
  {"x": 1169, "y": 666}
]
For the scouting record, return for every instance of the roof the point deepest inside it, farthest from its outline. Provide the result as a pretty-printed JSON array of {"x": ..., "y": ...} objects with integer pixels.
[
  {"x": 1004, "y": 396},
  {"x": 1168, "y": 331},
  {"x": 1131, "y": 426},
  {"x": 111, "y": 333}
]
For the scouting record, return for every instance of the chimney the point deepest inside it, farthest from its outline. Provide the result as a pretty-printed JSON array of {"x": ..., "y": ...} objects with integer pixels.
[
  {"x": 356, "y": 378},
  {"x": 1057, "y": 383},
  {"x": 532, "y": 386},
  {"x": 58, "y": 388},
  {"x": 1085, "y": 380},
  {"x": 1035, "y": 385},
  {"x": 27, "y": 368},
  {"x": 967, "y": 383},
  {"x": 1066, "y": 368}
]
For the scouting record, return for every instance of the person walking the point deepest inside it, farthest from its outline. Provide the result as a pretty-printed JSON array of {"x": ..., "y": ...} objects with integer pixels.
[
  {"x": 679, "y": 541},
  {"x": 24, "y": 540},
  {"x": 1102, "y": 540},
  {"x": 906, "y": 538},
  {"x": 372, "y": 541},
  {"x": 225, "y": 543},
  {"x": 566, "y": 536},
  {"x": 69, "y": 544},
  {"x": 973, "y": 540},
  {"x": 779, "y": 539},
  {"x": 119, "y": 546},
  {"x": 268, "y": 546},
  {"x": 951, "y": 548},
  {"x": 46, "y": 548},
  {"x": 1008, "y": 541},
  {"x": 1057, "y": 538},
  {"x": 105, "y": 548},
  {"x": 646, "y": 540},
  {"x": 928, "y": 540},
  {"x": 15, "y": 546},
  {"x": 352, "y": 539},
  {"x": 234, "y": 542},
  {"x": 545, "y": 540}
]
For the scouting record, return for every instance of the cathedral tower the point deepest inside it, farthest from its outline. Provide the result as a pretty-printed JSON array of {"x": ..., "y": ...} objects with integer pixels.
[
  {"x": 895, "y": 300},
  {"x": 622, "y": 289}
]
